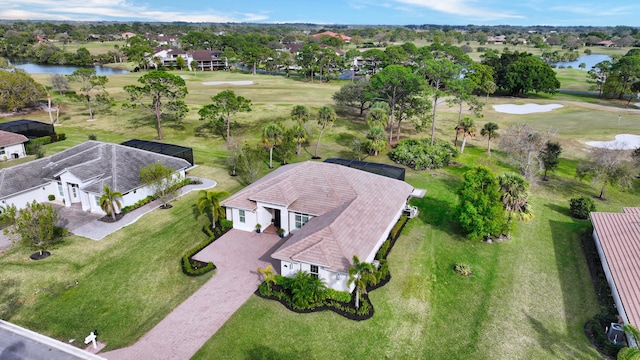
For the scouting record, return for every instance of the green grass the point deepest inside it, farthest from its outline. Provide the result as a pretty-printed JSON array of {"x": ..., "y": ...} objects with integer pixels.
[
  {"x": 528, "y": 297},
  {"x": 127, "y": 282}
]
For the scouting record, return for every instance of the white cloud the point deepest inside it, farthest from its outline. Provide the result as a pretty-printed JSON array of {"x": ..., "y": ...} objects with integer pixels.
[
  {"x": 90, "y": 10},
  {"x": 461, "y": 8},
  {"x": 607, "y": 11}
]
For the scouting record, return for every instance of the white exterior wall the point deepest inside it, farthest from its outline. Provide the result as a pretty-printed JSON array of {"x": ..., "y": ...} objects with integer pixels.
[
  {"x": 13, "y": 149},
  {"x": 39, "y": 194},
  {"x": 292, "y": 221},
  {"x": 334, "y": 280},
  {"x": 250, "y": 222}
]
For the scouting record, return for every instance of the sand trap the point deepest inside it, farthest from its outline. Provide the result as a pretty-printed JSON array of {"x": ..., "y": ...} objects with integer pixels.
[
  {"x": 242, "y": 82},
  {"x": 622, "y": 142},
  {"x": 525, "y": 109},
  {"x": 637, "y": 104}
]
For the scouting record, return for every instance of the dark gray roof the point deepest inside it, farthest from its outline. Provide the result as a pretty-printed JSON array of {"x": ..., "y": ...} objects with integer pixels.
[{"x": 114, "y": 165}]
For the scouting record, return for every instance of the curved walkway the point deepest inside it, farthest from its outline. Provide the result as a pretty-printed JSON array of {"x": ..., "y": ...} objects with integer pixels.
[
  {"x": 237, "y": 255},
  {"x": 97, "y": 230}
]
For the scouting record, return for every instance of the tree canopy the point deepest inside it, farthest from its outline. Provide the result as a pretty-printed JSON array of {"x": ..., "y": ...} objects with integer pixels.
[
  {"x": 225, "y": 104},
  {"x": 519, "y": 72},
  {"x": 161, "y": 93}
]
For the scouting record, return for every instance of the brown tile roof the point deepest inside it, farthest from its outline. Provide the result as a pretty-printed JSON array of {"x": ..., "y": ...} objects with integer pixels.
[
  {"x": 352, "y": 209},
  {"x": 9, "y": 138},
  {"x": 619, "y": 238}
]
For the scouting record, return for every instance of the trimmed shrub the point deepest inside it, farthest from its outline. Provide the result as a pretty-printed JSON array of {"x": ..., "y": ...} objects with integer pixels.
[
  {"x": 62, "y": 137},
  {"x": 340, "y": 296},
  {"x": 581, "y": 206},
  {"x": 226, "y": 224},
  {"x": 93, "y": 137},
  {"x": 51, "y": 197},
  {"x": 138, "y": 204},
  {"x": 418, "y": 154}
]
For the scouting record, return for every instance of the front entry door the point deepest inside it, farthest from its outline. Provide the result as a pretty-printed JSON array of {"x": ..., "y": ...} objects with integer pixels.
[{"x": 276, "y": 218}]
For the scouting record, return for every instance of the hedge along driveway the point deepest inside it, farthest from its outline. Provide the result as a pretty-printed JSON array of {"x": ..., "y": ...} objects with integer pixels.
[{"x": 237, "y": 255}]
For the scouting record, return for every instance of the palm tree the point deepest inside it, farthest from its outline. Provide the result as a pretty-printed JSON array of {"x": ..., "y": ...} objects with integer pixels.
[
  {"x": 306, "y": 290},
  {"x": 378, "y": 117},
  {"x": 272, "y": 135},
  {"x": 300, "y": 114},
  {"x": 467, "y": 128},
  {"x": 209, "y": 203},
  {"x": 300, "y": 134},
  {"x": 362, "y": 274},
  {"x": 109, "y": 200},
  {"x": 630, "y": 353},
  {"x": 514, "y": 197},
  {"x": 489, "y": 130},
  {"x": 377, "y": 139},
  {"x": 326, "y": 118}
]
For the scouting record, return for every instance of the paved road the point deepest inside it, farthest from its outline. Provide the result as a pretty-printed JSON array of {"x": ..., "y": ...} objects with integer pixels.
[{"x": 237, "y": 255}]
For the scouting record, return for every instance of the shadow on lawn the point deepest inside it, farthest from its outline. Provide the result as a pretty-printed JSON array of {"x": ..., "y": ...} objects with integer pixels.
[
  {"x": 555, "y": 343},
  {"x": 9, "y": 298}
]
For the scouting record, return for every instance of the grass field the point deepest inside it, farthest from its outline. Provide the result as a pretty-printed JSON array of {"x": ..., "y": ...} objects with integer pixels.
[{"x": 528, "y": 298}]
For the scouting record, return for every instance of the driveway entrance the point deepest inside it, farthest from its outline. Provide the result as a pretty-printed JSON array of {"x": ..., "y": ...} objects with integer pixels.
[{"x": 237, "y": 255}]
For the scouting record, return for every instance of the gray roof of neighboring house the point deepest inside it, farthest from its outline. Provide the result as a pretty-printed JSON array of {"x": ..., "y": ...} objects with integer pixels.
[
  {"x": 9, "y": 138},
  {"x": 114, "y": 165},
  {"x": 352, "y": 209},
  {"x": 619, "y": 238}
]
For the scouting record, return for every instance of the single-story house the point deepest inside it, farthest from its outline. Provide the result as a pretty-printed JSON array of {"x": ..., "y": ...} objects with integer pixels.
[
  {"x": 617, "y": 238},
  {"x": 343, "y": 37},
  {"x": 77, "y": 176},
  {"x": 12, "y": 145},
  {"x": 330, "y": 212}
]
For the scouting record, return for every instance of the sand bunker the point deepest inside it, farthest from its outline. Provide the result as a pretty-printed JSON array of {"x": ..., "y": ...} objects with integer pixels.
[
  {"x": 525, "y": 109},
  {"x": 622, "y": 142},
  {"x": 637, "y": 104},
  {"x": 242, "y": 82}
]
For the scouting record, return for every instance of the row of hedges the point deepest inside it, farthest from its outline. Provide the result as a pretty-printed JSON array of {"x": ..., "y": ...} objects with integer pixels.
[
  {"x": 193, "y": 267},
  {"x": 138, "y": 204},
  {"x": 418, "y": 154},
  {"x": 317, "y": 297}
]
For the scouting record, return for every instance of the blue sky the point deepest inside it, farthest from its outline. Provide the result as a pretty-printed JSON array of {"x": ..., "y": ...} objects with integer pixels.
[{"x": 392, "y": 12}]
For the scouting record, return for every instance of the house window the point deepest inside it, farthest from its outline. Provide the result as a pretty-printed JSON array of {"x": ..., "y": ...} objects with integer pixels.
[
  {"x": 97, "y": 200},
  {"x": 301, "y": 219},
  {"x": 242, "y": 216},
  {"x": 2, "y": 152},
  {"x": 314, "y": 271},
  {"x": 60, "y": 189}
]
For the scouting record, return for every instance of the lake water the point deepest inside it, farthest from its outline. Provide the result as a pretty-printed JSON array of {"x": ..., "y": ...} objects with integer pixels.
[
  {"x": 31, "y": 68},
  {"x": 589, "y": 60}
]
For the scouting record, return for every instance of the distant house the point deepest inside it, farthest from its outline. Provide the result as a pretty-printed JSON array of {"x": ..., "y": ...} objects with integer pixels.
[
  {"x": 605, "y": 43},
  {"x": 345, "y": 38},
  {"x": 128, "y": 35},
  {"x": 331, "y": 212},
  {"x": 617, "y": 238},
  {"x": 500, "y": 39},
  {"x": 207, "y": 59},
  {"x": 12, "y": 145},
  {"x": 77, "y": 176}
]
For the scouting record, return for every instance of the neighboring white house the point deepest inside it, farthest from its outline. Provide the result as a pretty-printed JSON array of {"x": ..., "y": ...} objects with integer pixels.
[
  {"x": 12, "y": 145},
  {"x": 77, "y": 176},
  {"x": 332, "y": 212}
]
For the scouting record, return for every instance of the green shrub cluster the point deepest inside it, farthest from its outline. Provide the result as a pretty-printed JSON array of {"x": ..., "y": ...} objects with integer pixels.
[
  {"x": 596, "y": 326},
  {"x": 418, "y": 154},
  {"x": 138, "y": 204},
  {"x": 581, "y": 206},
  {"x": 193, "y": 267},
  {"x": 462, "y": 269}
]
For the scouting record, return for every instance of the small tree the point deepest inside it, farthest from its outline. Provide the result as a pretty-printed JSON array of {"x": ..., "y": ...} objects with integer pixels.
[
  {"x": 606, "y": 167},
  {"x": 326, "y": 118},
  {"x": 515, "y": 198},
  {"x": 162, "y": 181},
  {"x": 250, "y": 162},
  {"x": 480, "y": 210},
  {"x": 59, "y": 83},
  {"x": 354, "y": 95},
  {"x": 362, "y": 274},
  {"x": 490, "y": 131},
  {"x": 209, "y": 203},
  {"x": 272, "y": 135},
  {"x": 550, "y": 157},
  {"x": 300, "y": 135},
  {"x": 91, "y": 85},
  {"x": 225, "y": 104},
  {"x": 35, "y": 226},
  {"x": 467, "y": 128},
  {"x": 300, "y": 114},
  {"x": 110, "y": 200},
  {"x": 581, "y": 206}
]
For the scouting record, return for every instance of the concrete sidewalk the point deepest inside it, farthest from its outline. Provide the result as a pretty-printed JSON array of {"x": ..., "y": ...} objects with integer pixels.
[
  {"x": 237, "y": 255},
  {"x": 97, "y": 230}
]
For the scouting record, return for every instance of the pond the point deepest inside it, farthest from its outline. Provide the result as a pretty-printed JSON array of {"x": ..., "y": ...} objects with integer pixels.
[
  {"x": 589, "y": 60},
  {"x": 31, "y": 68}
]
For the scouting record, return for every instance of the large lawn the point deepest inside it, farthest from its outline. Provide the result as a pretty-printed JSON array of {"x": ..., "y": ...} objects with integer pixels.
[{"x": 528, "y": 297}]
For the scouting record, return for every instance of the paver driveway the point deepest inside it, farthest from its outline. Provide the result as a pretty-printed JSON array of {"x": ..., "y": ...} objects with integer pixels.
[{"x": 237, "y": 255}]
